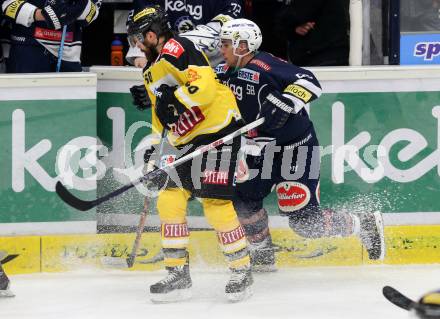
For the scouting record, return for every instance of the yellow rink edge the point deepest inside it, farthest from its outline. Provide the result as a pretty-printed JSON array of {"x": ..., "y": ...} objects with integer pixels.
[{"x": 405, "y": 245}]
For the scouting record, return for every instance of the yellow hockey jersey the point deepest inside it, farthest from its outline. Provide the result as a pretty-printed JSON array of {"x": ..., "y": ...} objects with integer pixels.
[{"x": 211, "y": 106}]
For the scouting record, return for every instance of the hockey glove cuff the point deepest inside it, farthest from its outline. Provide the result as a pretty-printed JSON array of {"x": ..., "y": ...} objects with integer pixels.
[
  {"x": 168, "y": 108},
  {"x": 276, "y": 110},
  {"x": 86, "y": 10},
  {"x": 56, "y": 14}
]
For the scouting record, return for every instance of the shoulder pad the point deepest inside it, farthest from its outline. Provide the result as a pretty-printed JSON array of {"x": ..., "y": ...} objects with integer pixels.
[
  {"x": 261, "y": 64},
  {"x": 204, "y": 37},
  {"x": 221, "y": 18}
]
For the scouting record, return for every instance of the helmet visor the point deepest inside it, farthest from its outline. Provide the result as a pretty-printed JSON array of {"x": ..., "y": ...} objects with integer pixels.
[{"x": 134, "y": 38}]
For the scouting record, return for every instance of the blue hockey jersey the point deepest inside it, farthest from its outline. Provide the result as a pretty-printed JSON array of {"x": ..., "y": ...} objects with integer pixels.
[
  {"x": 184, "y": 15},
  {"x": 4, "y": 38},
  {"x": 264, "y": 74},
  {"x": 27, "y": 31}
]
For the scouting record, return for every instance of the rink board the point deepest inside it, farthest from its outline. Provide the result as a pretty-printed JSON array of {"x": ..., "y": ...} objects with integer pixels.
[
  {"x": 405, "y": 245},
  {"x": 44, "y": 114},
  {"x": 367, "y": 108}
]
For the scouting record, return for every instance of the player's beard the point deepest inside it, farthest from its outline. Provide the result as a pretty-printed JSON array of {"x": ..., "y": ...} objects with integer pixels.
[{"x": 150, "y": 52}]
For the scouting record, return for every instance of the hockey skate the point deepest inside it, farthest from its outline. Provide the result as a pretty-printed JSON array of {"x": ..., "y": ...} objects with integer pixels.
[
  {"x": 174, "y": 287},
  {"x": 372, "y": 235},
  {"x": 4, "y": 285},
  {"x": 239, "y": 285},
  {"x": 263, "y": 256}
]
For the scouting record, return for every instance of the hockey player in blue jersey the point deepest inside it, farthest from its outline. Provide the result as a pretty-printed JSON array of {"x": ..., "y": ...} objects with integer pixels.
[
  {"x": 37, "y": 28},
  {"x": 283, "y": 153},
  {"x": 4, "y": 43}
]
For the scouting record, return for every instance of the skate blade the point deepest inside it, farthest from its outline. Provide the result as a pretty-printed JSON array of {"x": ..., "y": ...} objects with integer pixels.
[
  {"x": 264, "y": 268},
  {"x": 114, "y": 262},
  {"x": 155, "y": 259},
  {"x": 379, "y": 224},
  {"x": 172, "y": 296},
  {"x": 3, "y": 254},
  {"x": 239, "y": 296},
  {"x": 6, "y": 293}
]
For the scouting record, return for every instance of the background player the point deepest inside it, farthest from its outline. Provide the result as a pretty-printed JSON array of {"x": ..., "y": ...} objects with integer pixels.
[
  {"x": 36, "y": 32},
  {"x": 203, "y": 18}
]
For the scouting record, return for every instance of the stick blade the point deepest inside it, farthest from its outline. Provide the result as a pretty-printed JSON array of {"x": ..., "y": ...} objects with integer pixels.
[
  {"x": 397, "y": 298},
  {"x": 8, "y": 258},
  {"x": 115, "y": 262},
  {"x": 71, "y": 200},
  {"x": 155, "y": 259}
]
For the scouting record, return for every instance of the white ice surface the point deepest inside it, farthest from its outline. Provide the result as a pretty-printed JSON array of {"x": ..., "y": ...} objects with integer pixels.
[{"x": 327, "y": 292}]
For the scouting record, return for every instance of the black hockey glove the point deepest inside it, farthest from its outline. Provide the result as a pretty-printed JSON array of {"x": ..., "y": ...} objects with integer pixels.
[
  {"x": 77, "y": 9},
  {"x": 276, "y": 109},
  {"x": 140, "y": 97},
  {"x": 55, "y": 14},
  {"x": 152, "y": 160},
  {"x": 149, "y": 152},
  {"x": 168, "y": 108}
]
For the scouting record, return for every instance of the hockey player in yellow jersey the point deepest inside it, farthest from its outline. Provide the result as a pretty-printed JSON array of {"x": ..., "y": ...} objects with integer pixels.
[{"x": 195, "y": 109}]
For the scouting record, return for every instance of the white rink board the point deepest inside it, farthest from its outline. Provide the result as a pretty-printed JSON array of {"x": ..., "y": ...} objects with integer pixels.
[{"x": 48, "y": 86}]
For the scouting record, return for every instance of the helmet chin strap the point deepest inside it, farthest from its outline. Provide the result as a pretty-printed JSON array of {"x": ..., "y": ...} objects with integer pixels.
[
  {"x": 157, "y": 44},
  {"x": 240, "y": 57}
]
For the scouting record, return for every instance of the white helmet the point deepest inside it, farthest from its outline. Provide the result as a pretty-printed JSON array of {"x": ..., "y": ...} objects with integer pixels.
[{"x": 242, "y": 30}]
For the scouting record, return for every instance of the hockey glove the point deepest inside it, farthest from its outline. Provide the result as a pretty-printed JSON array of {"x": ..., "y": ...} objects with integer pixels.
[
  {"x": 150, "y": 164},
  {"x": 85, "y": 11},
  {"x": 168, "y": 108},
  {"x": 56, "y": 15},
  {"x": 140, "y": 97},
  {"x": 276, "y": 110},
  {"x": 154, "y": 160}
]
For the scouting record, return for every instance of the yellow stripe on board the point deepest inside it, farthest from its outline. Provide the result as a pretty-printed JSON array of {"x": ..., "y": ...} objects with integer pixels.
[
  {"x": 413, "y": 244},
  {"x": 28, "y": 250},
  {"x": 61, "y": 253},
  {"x": 405, "y": 245}
]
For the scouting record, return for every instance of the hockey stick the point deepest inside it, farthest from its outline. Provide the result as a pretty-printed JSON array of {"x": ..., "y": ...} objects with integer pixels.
[
  {"x": 422, "y": 309},
  {"x": 397, "y": 298},
  {"x": 129, "y": 262},
  {"x": 61, "y": 48},
  {"x": 84, "y": 205},
  {"x": 8, "y": 258},
  {"x": 5, "y": 257},
  {"x": 139, "y": 231}
]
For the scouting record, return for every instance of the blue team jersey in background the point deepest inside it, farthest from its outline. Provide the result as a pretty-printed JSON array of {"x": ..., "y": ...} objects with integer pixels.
[
  {"x": 264, "y": 74},
  {"x": 184, "y": 15}
]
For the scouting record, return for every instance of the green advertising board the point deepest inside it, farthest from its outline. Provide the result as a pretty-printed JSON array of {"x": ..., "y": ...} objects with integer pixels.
[
  {"x": 40, "y": 117},
  {"x": 379, "y": 136},
  {"x": 379, "y": 131},
  {"x": 385, "y": 150}
]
